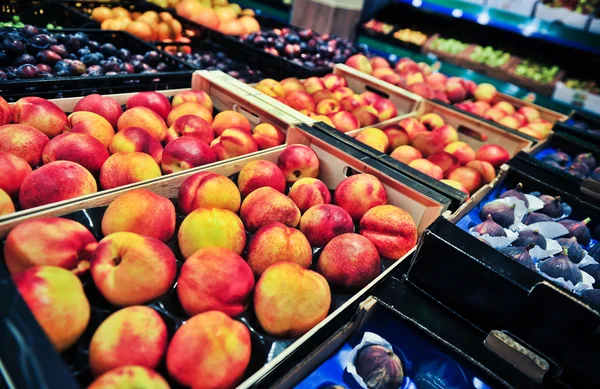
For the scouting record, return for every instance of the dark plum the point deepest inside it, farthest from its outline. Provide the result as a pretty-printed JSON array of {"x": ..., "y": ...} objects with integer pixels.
[
  {"x": 83, "y": 51},
  {"x": 24, "y": 59},
  {"x": 535, "y": 217},
  {"x": 94, "y": 46},
  {"x": 89, "y": 60},
  {"x": 139, "y": 57},
  {"x": 127, "y": 68},
  {"x": 4, "y": 59},
  {"x": 60, "y": 50},
  {"x": 111, "y": 66},
  {"x": 517, "y": 192},
  {"x": 489, "y": 227},
  {"x": 587, "y": 159},
  {"x": 552, "y": 206},
  {"x": 3, "y": 75},
  {"x": 82, "y": 38},
  {"x": 530, "y": 237},
  {"x": 44, "y": 68},
  {"x": 558, "y": 157},
  {"x": 162, "y": 67},
  {"x": 520, "y": 255},
  {"x": 78, "y": 68},
  {"x": 48, "y": 57},
  {"x": 578, "y": 229},
  {"x": 63, "y": 73},
  {"x": 30, "y": 30},
  {"x": 61, "y": 38},
  {"x": 502, "y": 213},
  {"x": 151, "y": 58},
  {"x": 62, "y": 66},
  {"x": 561, "y": 266},
  {"x": 95, "y": 71},
  {"x": 72, "y": 44},
  {"x": 28, "y": 71},
  {"x": 124, "y": 54},
  {"x": 13, "y": 47},
  {"x": 108, "y": 49},
  {"x": 572, "y": 248}
]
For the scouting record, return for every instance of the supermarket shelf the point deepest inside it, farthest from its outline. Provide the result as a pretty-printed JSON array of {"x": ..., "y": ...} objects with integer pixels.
[{"x": 276, "y": 9}]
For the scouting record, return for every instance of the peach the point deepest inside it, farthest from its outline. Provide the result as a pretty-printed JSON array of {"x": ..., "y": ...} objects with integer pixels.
[
  {"x": 521, "y": 118},
  {"x": 6, "y": 204},
  {"x": 342, "y": 92},
  {"x": 300, "y": 101},
  {"x": 427, "y": 167},
  {"x": 447, "y": 162},
  {"x": 379, "y": 62},
  {"x": 480, "y": 107},
  {"x": 56, "y": 299},
  {"x": 487, "y": 171},
  {"x": 308, "y": 192},
  {"x": 276, "y": 242},
  {"x": 494, "y": 154},
  {"x": 190, "y": 125},
  {"x": 510, "y": 122},
  {"x": 266, "y": 205},
  {"x": 327, "y": 107},
  {"x": 494, "y": 114},
  {"x": 40, "y": 114},
  {"x": 23, "y": 141},
  {"x": 136, "y": 139},
  {"x": 428, "y": 143},
  {"x": 322, "y": 118},
  {"x": 406, "y": 154},
  {"x": 542, "y": 126},
  {"x": 323, "y": 222},
  {"x": 293, "y": 85},
  {"x": 366, "y": 115},
  {"x": 469, "y": 86},
  {"x": 397, "y": 136},
  {"x": 79, "y": 148},
  {"x": 431, "y": 121},
  {"x": 209, "y": 351},
  {"x": 437, "y": 81},
  {"x": 272, "y": 88},
  {"x": 360, "y": 62},
  {"x": 208, "y": 190},
  {"x": 415, "y": 78},
  {"x": 385, "y": 109},
  {"x": 333, "y": 81},
  {"x": 232, "y": 27},
  {"x": 470, "y": 178},
  {"x": 320, "y": 95},
  {"x": 425, "y": 68},
  {"x": 106, "y": 107},
  {"x": 374, "y": 138},
  {"x": 14, "y": 170},
  {"x": 131, "y": 269},
  {"x": 406, "y": 66},
  {"x": 370, "y": 97},
  {"x": 186, "y": 153},
  {"x": 205, "y": 282},
  {"x": 456, "y": 185},
  {"x": 462, "y": 151},
  {"x": 233, "y": 142},
  {"x": 91, "y": 124},
  {"x": 56, "y": 181},
  {"x": 142, "y": 212},
  {"x": 145, "y": 118},
  {"x": 412, "y": 127},
  {"x": 6, "y": 114},
  {"x": 267, "y": 135},
  {"x": 351, "y": 103},
  {"x": 194, "y": 96},
  {"x": 530, "y": 113},
  {"x": 211, "y": 227},
  {"x": 387, "y": 75},
  {"x": 206, "y": 17},
  {"x": 131, "y": 336},
  {"x": 127, "y": 168},
  {"x": 455, "y": 91},
  {"x": 422, "y": 89},
  {"x": 359, "y": 193},
  {"x": 505, "y": 106},
  {"x": 345, "y": 121},
  {"x": 446, "y": 133},
  {"x": 439, "y": 95},
  {"x": 230, "y": 119},
  {"x": 313, "y": 84},
  {"x": 485, "y": 92},
  {"x": 289, "y": 300},
  {"x": 258, "y": 174},
  {"x": 349, "y": 261},
  {"x": 527, "y": 130},
  {"x": 391, "y": 230},
  {"x": 188, "y": 108},
  {"x": 155, "y": 101},
  {"x": 298, "y": 161},
  {"x": 129, "y": 377}
]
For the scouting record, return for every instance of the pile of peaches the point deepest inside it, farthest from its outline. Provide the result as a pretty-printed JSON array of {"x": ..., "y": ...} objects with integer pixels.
[
  {"x": 47, "y": 156},
  {"x": 215, "y": 273},
  {"x": 328, "y": 99},
  {"x": 227, "y": 18},
  {"x": 433, "y": 147}
]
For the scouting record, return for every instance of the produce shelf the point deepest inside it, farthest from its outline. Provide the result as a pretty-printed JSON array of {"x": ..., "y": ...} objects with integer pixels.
[{"x": 276, "y": 9}]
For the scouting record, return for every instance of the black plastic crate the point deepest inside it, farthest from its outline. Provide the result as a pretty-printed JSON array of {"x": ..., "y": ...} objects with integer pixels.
[
  {"x": 581, "y": 125},
  {"x": 178, "y": 76},
  {"x": 40, "y": 15}
]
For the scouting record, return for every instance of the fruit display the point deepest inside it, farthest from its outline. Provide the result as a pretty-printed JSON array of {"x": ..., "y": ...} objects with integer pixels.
[
  {"x": 377, "y": 26},
  {"x": 17, "y": 23},
  {"x": 448, "y": 45},
  {"x": 411, "y": 36},
  {"x": 537, "y": 72},
  {"x": 329, "y": 99},
  {"x": 585, "y": 7},
  {"x": 79, "y": 154},
  {"x": 489, "y": 56},
  {"x": 590, "y": 86},
  {"x": 582, "y": 166},
  {"x": 584, "y": 126},
  {"x": 226, "y": 271},
  {"x": 219, "y": 15}
]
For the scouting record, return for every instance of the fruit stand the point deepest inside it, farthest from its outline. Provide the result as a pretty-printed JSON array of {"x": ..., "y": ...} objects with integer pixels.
[{"x": 198, "y": 194}]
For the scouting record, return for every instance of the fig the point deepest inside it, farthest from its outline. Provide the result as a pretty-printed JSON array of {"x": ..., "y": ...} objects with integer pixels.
[
  {"x": 561, "y": 266},
  {"x": 490, "y": 227},
  {"x": 559, "y": 157},
  {"x": 594, "y": 271},
  {"x": 580, "y": 167},
  {"x": 578, "y": 229},
  {"x": 595, "y": 252},
  {"x": 517, "y": 192},
  {"x": 527, "y": 237},
  {"x": 535, "y": 217},
  {"x": 379, "y": 367},
  {"x": 520, "y": 255},
  {"x": 501, "y": 212},
  {"x": 577, "y": 173},
  {"x": 592, "y": 297},
  {"x": 573, "y": 249},
  {"x": 587, "y": 159},
  {"x": 552, "y": 206}
]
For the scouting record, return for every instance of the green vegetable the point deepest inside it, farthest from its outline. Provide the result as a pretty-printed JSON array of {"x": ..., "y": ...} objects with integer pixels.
[
  {"x": 489, "y": 56},
  {"x": 536, "y": 71},
  {"x": 451, "y": 46}
]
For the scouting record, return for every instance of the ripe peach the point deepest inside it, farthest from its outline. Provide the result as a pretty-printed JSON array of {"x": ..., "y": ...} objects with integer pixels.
[
  {"x": 359, "y": 193},
  {"x": 293, "y": 85},
  {"x": 195, "y": 96},
  {"x": 14, "y": 170},
  {"x": 188, "y": 108},
  {"x": 230, "y": 119},
  {"x": 520, "y": 118},
  {"x": 480, "y": 107},
  {"x": 370, "y": 97},
  {"x": 211, "y": 227},
  {"x": 494, "y": 154},
  {"x": 267, "y": 135},
  {"x": 79, "y": 148},
  {"x": 527, "y": 130},
  {"x": 470, "y": 178},
  {"x": 422, "y": 89},
  {"x": 446, "y": 133},
  {"x": 485, "y": 92},
  {"x": 342, "y": 92},
  {"x": 308, "y": 192},
  {"x": 375, "y": 138},
  {"x": 300, "y": 101},
  {"x": 510, "y": 122},
  {"x": 233, "y": 142},
  {"x": 406, "y": 154},
  {"x": 505, "y": 106},
  {"x": 131, "y": 336},
  {"x": 431, "y": 121},
  {"x": 462, "y": 151},
  {"x": 397, "y": 136},
  {"x": 145, "y": 118},
  {"x": 106, "y": 107},
  {"x": 494, "y": 114},
  {"x": 56, "y": 181},
  {"x": 23, "y": 141},
  {"x": 439, "y": 95},
  {"x": 412, "y": 127},
  {"x": 142, "y": 212},
  {"x": 298, "y": 161},
  {"x": 258, "y": 174},
  {"x": 208, "y": 190},
  {"x": 379, "y": 62},
  {"x": 6, "y": 204},
  {"x": 91, "y": 124},
  {"x": 40, "y": 114},
  {"x": 360, "y": 62},
  {"x": 136, "y": 139},
  {"x": 447, "y": 162},
  {"x": 327, "y": 107},
  {"x": 455, "y": 91},
  {"x": 190, "y": 125},
  {"x": 349, "y": 261},
  {"x": 333, "y": 81},
  {"x": 487, "y": 171},
  {"x": 387, "y": 75},
  {"x": 130, "y": 377},
  {"x": 366, "y": 115},
  {"x": 322, "y": 118},
  {"x": 126, "y": 168},
  {"x": 319, "y": 95},
  {"x": 271, "y": 87},
  {"x": 266, "y": 205},
  {"x": 209, "y": 351},
  {"x": 323, "y": 222},
  {"x": 543, "y": 126},
  {"x": 131, "y": 269},
  {"x": 414, "y": 78},
  {"x": 186, "y": 153},
  {"x": 391, "y": 230},
  {"x": 6, "y": 114},
  {"x": 457, "y": 185},
  {"x": 205, "y": 282},
  {"x": 289, "y": 300},
  {"x": 385, "y": 109},
  {"x": 437, "y": 81},
  {"x": 353, "y": 102},
  {"x": 428, "y": 143},
  {"x": 427, "y": 167},
  {"x": 155, "y": 101},
  {"x": 345, "y": 121},
  {"x": 530, "y": 113}
]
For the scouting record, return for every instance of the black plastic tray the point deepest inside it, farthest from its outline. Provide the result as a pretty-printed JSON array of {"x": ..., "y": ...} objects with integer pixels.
[
  {"x": 42, "y": 14},
  {"x": 570, "y": 127}
]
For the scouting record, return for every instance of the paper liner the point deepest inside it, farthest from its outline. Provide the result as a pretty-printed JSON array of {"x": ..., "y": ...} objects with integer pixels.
[
  {"x": 585, "y": 284},
  {"x": 497, "y": 242},
  {"x": 534, "y": 203},
  {"x": 549, "y": 230},
  {"x": 552, "y": 248},
  {"x": 369, "y": 339},
  {"x": 587, "y": 260}
]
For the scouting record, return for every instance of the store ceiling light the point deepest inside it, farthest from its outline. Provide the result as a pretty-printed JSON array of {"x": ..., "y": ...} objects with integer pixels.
[
  {"x": 457, "y": 13},
  {"x": 483, "y": 18},
  {"x": 417, "y": 3}
]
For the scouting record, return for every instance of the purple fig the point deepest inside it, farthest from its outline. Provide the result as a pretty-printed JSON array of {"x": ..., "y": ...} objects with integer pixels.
[
  {"x": 558, "y": 157},
  {"x": 535, "y": 217},
  {"x": 561, "y": 266},
  {"x": 527, "y": 237},
  {"x": 517, "y": 192},
  {"x": 552, "y": 206},
  {"x": 580, "y": 167},
  {"x": 592, "y": 297},
  {"x": 501, "y": 212},
  {"x": 490, "y": 227},
  {"x": 587, "y": 159},
  {"x": 578, "y": 229},
  {"x": 574, "y": 250},
  {"x": 379, "y": 367},
  {"x": 595, "y": 252},
  {"x": 577, "y": 173},
  {"x": 520, "y": 255},
  {"x": 594, "y": 271}
]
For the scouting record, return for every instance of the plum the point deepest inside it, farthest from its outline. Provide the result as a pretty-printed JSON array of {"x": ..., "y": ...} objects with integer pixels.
[
  {"x": 48, "y": 57},
  {"x": 60, "y": 50},
  {"x": 72, "y": 44},
  {"x": 559, "y": 157},
  {"x": 151, "y": 58},
  {"x": 44, "y": 68},
  {"x": 77, "y": 68},
  {"x": 30, "y": 30},
  {"x": 13, "y": 47},
  {"x": 94, "y": 46},
  {"x": 124, "y": 54},
  {"x": 28, "y": 71},
  {"x": 82, "y": 38},
  {"x": 108, "y": 49},
  {"x": 24, "y": 59}
]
